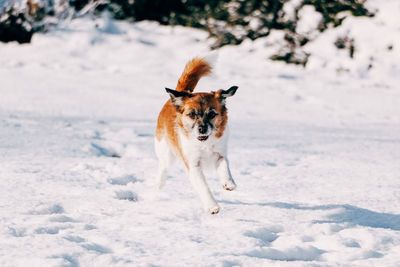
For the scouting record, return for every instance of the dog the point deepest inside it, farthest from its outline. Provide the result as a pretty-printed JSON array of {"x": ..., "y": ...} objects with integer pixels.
[{"x": 193, "y": 127}]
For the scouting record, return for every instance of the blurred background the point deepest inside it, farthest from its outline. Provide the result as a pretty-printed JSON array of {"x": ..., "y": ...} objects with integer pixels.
[
  {"x": 277, "y": 46},
  {"x": 227, "y": 22}
]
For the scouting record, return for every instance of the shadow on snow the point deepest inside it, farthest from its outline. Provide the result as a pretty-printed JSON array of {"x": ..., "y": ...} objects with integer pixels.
[{"x": 344, "y": 214}]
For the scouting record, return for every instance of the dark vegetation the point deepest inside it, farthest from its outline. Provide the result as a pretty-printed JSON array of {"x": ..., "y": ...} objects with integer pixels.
[
  {"x": 14, "y": 26},
  {"x": 228, "y": 22}
]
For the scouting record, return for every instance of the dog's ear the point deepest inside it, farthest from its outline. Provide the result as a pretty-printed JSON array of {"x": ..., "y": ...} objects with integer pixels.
[
  {"x": 223, "y": 94},
  {"x": 177, "y": 97}
]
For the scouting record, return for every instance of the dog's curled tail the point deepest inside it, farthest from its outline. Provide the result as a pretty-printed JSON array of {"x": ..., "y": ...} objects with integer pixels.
[{"x": 194, "y": 70}]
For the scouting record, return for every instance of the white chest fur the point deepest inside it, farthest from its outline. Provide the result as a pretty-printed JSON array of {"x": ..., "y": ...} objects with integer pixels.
[{"x": 196, "y": 151}]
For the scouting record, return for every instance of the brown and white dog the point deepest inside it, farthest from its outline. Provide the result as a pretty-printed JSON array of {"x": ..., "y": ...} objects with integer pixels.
[{"x": 193, "y": 127}]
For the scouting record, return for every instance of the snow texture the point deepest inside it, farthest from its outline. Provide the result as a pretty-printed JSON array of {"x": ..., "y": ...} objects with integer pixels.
[{"x": 315, "y": 152}]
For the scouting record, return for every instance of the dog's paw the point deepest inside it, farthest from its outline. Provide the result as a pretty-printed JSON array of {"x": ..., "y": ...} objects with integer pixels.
[
  {"x": 160, "y": 185},
  {"x": 229, "y": 185},
  {"x": 160, "y": 182},
  {"x": 213, "y": 210}
]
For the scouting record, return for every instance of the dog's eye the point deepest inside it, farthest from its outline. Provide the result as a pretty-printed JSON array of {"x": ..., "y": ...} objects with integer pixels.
[
  {"x": 211, "y": 114},
  {"x": 192, "y": 114}
]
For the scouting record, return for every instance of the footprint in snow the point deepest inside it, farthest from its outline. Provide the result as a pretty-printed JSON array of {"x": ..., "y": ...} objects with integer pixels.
[
  {"x": 17, "y": 232},
  {"x": 89, "y": 227},
  {"x": 75, "y": 239},
  {"x": 96, "y": 248},
  {"x": 123, "y": 180},
  {"x": 46, "y": 209},
  {"x": 309, "y": 253},
  {"x": 62, "y": 219},
  {"x": 126, "y": 195},
  {"x": 271, "y": 164},
  {"x": 107, "y": 149},
  {"x": 307, "y": 238},
  {"x": 50, "y": 230},
  {"x": 68, "y": 260},
  {"x": 264, "y": 235},
  {"x": 228, "y": 263},
  {"x": 352, "y": 244}
]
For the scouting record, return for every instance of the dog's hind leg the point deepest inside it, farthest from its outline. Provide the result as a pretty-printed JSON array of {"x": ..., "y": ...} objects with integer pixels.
[{"x": 165, "y": 159}]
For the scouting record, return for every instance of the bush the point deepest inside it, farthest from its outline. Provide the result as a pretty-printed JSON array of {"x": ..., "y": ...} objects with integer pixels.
[
  {"x": 15, "y": 27},
  {"x": 228, "y": 22}
]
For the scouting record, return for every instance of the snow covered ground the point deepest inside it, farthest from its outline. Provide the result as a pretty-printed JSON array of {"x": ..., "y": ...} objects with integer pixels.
[{"x": 315, "y": 153}]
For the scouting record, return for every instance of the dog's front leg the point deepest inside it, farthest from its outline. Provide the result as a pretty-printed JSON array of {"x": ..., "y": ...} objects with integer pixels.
[
  {"x": 224, "y": 173},
  {"x": 196, "y": 176}
]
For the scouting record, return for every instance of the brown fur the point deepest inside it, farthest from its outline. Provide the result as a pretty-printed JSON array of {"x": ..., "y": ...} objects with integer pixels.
[
  {"x": 166, "y": 126},
  {"x": 194, "y": 70},
  {"x": 208, "y": 101},
  {"x": 171, "y": 117}
]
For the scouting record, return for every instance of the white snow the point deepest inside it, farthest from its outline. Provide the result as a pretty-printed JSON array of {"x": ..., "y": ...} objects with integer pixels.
[
  {"x": 315, "y": 153},
  {"x": 309, "y": 20}
]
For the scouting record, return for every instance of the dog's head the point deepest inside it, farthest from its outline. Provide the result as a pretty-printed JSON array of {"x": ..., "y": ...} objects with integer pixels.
[{"x": 202, "y": 114}]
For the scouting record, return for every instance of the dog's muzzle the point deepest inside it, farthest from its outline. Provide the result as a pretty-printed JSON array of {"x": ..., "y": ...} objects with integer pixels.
[
  {"x": 202, "y": 137},
  {"x": 203, "y": 132}
]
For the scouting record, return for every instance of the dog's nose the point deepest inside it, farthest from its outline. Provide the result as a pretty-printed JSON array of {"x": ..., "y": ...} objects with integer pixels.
[{"x": 202, "y": 129}]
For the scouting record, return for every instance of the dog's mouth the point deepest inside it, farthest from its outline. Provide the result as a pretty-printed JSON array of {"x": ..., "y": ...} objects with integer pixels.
[{"x": 202, "y": 137}]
